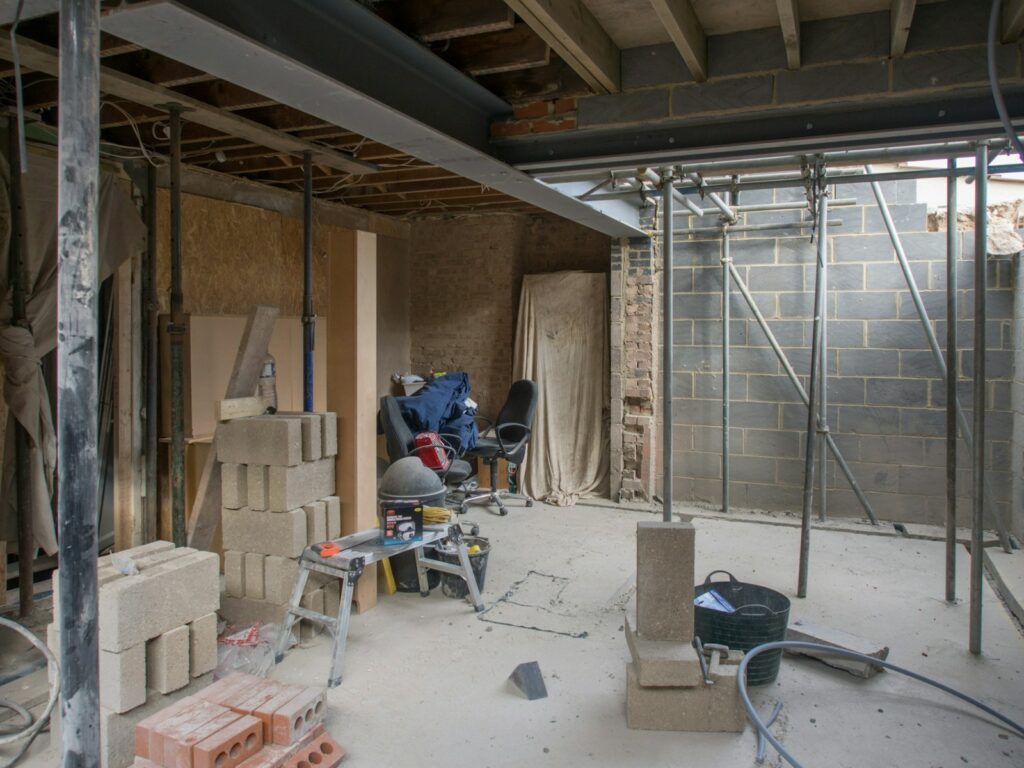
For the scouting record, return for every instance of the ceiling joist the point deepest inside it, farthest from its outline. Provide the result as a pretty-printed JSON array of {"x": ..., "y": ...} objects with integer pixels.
[
  {"x": 577, "y": 37},
  {"x": 434, "y": 20},
  {"x": 683, "y": 26},
  {"x": 505, "y": 51},
  {"x": 900, "y": 16},
  {"x": 1013, "y": 20},
  {"x": 789, "y": 20}
]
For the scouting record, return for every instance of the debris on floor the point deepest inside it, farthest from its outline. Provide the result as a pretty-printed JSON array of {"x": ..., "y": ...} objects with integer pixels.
[{"x": 528, "y": 679}]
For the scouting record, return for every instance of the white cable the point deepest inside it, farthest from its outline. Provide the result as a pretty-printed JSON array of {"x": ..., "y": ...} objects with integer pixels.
[{"x": 32, "y": 730}]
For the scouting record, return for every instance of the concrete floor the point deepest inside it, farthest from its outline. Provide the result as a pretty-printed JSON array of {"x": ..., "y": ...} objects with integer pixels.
[{"x": 425, "y": 679}]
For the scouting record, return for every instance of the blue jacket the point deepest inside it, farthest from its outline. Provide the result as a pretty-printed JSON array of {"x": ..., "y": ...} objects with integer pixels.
[{"x": 440, "y": 407}]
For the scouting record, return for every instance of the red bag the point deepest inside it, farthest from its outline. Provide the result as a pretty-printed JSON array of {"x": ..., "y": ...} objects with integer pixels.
[{"x": 431, "y": 450}]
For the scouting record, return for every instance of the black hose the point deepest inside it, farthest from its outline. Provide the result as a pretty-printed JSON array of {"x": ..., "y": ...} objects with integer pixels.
[
  {"x": 830, "y": 650},
  {"x": 993, "y": 79}
]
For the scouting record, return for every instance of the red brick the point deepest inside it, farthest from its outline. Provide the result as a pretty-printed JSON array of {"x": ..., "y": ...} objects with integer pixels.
[
  {"x": 233, "y": 689},
  {"x": 550, "y": 126},
  {"x": 320, "y": 752},
  {"x": 505, "y": 129},
  {"x": 273, "y": 756},
  {"x": 532, "y": 110},
  {"x": 296, "y": 718},
  {"x": 144, "y": 728},
  {"x": 141, "y": 762},
  {"x": 564, "y": 105},
  {"x": 180, "y": 725},
  {"x": 265, "y": 711},
  {"x": 178, "y": 751},
  {"x": 232, "y": 746}
]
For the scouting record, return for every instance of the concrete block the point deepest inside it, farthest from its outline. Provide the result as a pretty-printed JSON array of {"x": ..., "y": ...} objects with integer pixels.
[
  {"x": 316, "y": 522},
  {"x": 653, "y": 65},
  {"x": 706, "y": 708},
  {"x": 950, "y": 67},
  {"x": 333, "y": 508},
  {"x": 754, "y": 50},
  {"x": 243, "y": 612},
  {"x": 256, "y": 486},
  {"x": 280, "y": 575},
  {"x": 863, "y": 36},
  {"x": 312, "y": 433},
  {"x": 664, "y": 580},
  {"x": 663, "y": 663},
  {"x": 134, "y": 609},
  {"x": 254, "y": 575},
  {"x": 801, "y": 631},
  {"x": 167, "y": 660},
  {"x": 623, "y": 107},
  {"x": 231, "y": 746},
  {"x": 234, "y": 573},
  {"x": 330, "y": 434},
  {"x": 291, "y": 487},
  {"x": 142, "y": 550},
  {"x": 202, "y": 645},
  {"x": 268, "y": 533},
  {"x": 719, "y": 95},
  {"x": 274, "y": 440},
  {"x": 233, "y": 484},
  {"x": 123, "y": 679},
  {"x": 867, "y": 305},
  {"x": 299, "y": 716},
  {"x": 828, "y": 83}
]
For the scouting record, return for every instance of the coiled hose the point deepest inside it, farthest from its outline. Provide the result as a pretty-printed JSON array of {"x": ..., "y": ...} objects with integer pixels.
[
  {"x": 762, "y": 727},
  {"x": 30, "y": 728}
]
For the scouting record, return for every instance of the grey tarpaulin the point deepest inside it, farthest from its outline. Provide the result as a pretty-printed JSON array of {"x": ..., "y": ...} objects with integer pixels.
[
  {"x": 562, "y": 344},
  {"x": 121, "y": 234}
]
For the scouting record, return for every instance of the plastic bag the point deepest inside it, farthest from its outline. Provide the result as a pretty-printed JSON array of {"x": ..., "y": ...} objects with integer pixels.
[
  {"x": 248, "y": 649},
  {"x": 124, "y": 564}
]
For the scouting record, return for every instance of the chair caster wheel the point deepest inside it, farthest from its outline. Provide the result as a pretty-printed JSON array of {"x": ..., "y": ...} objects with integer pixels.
[
  {"x": 424, "y": 594},
  {"x": 503, "y": 512},
  {"x": 474, "y": 531},
  {"x": 462, "y": 509},
  {"x": 529, "y": 502}
]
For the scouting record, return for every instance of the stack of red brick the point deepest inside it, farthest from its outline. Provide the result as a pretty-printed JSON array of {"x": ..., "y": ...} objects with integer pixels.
[{"x": 241, "y": 721}]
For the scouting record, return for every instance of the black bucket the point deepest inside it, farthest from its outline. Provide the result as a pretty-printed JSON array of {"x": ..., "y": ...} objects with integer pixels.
[
  {"x": 761, "y": 615},
  {"x": 403, "y": 568},
  {"x": 456, "y": 586}
]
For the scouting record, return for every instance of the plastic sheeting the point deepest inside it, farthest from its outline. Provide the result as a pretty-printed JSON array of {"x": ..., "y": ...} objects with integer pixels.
[
  {"x": 121, "y": 234},
  {"x": 562, "y": 344}
]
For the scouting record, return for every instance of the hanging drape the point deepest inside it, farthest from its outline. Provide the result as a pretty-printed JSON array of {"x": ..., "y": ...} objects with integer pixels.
[
  {"x": 122, "y": 233},
  {"x": 562, "y": 345}
]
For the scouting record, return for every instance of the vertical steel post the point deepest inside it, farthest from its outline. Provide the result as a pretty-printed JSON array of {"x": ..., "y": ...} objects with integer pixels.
[
  {"x": 667, "y": 176},
  {"x": 978, "y": 454},
  {"x": 952, "y": 375},
  {"x": 23, "y": 467},
  {"x": 726, "y": 393},
  {"x": 308, "y": 320},
  {"x": 812, "y": 393},
  {"x": 176, "y": 331},
  {"x": 823, "y": 366},
  {"x": 152, "y": 362},
  {"x": 77, "y": 376}
]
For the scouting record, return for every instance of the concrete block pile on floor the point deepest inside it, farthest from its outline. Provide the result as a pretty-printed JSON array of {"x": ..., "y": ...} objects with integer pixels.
[
  {"x": 241, "y": 721},
  {"x": 278, "y": 486},
  {"x": 157, "y": 635},
  {"x": 665, "y": 684}
]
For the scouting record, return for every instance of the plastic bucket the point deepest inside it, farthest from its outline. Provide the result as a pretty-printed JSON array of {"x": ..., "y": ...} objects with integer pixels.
[
  {"x": 403, "y": 568},
  {"x": 761, "y": 615},
  {"x": 455, "y": 586}
]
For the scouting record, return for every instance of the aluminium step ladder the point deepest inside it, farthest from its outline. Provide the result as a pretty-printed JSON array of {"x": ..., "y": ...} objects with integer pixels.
[{"x": 346, "y": 558}]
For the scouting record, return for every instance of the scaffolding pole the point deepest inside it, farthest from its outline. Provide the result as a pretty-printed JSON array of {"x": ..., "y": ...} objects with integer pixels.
[
  {"x": 726, "y": 322},
  {"x": 308, "y": 319},
  {"x": 667, "y": 342},
  {"x": 823, "y": 372},
  {"x": 933, "y": 342},
  {"x": 952, "y": 376},
  {"x": 176, "y": 331},
  {"x": 978, "y": 451},
  {"x": 152, "y": 358},
  {"x": 77, "y": 376}
]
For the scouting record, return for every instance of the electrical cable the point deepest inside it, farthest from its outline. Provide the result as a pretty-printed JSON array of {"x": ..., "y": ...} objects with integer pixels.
[
  {"x": 31, "y": 728},
  {"x": 993, "y": 79},
  {"x": 830, "y": 650}
]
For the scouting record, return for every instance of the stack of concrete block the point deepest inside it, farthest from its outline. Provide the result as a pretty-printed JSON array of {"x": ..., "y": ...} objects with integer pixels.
[
  {"x": 240, "y": 721},
  {"x": 157, "y": 636},
  {"x": 278, "y": 485},
  {"x": 665, "y": 685}
]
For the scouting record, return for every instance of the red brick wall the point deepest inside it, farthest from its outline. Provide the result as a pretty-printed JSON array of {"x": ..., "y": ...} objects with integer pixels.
[{"x": 537, "y": 117}]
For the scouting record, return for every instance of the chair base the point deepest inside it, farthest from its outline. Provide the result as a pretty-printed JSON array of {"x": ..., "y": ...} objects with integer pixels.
[{"x": 493, "y": 497}]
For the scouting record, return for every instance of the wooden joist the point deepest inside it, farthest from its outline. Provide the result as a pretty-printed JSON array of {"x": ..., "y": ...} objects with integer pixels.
[
  {"x": 433, "y": 20},
  {"x": 789, "y": 21},
  {"x": 240, "y": 407},
  {"x": 900, "y": 16},
  {"x": 687, "y": 33},
  {"x": 576, "y": 36},
  {"x": 506, "y": 51},
  {"x": 556, "y": 80}
]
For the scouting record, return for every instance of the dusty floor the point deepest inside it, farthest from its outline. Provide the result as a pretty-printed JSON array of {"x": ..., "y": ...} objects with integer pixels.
[{"x": 425, "y": 680}]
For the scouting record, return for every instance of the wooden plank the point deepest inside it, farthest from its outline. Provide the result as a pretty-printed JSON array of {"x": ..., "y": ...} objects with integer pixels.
[
  {"x": 252, "y": 351},
  {"x": 554, "y": 81},
  {"x": 157, "y": 69},
  {"x": 683, "y": 26},
  {"x": 225, "y": 95},
  {"x": 3, "y": 572},
  {"x": 507, "y": 51},
  {"x": 900, "y": 16},
  {"x": 789, "y": 21},
  {"x": 44, "y": 59},
  {"x": 127, "y": 504},
  {"x": 433, "y": 20},
  {"x": 577, "y": 37},
  {"x": 1013, "y": 20},
  {"x": 240, "y": 408}
]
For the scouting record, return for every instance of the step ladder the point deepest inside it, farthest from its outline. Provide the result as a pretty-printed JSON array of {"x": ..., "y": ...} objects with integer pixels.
[{"x": 345, "y": 559}]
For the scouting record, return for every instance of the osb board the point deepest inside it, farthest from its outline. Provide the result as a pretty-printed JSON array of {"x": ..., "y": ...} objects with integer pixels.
[
  {"x": 214, "y": 343},
  {"x": 195, "y": 457},
  {"x": 234, "y": 256}
]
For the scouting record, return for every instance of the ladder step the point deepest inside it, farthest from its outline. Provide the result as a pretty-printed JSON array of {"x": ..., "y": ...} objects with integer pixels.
[{"x": 305, "y": 613}]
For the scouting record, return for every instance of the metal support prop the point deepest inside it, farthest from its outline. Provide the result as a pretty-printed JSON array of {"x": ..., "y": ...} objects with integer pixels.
[
  {"x": 176, "y": 331},
  {"x": 794, "y": 379},
  {"x": 23, "y": 467},
  {"x": 823, "y": 369},
  {"x": 151, "y": 349},
  {"x": 812, "y": 393},
  {"x": 952, "y": 376},
  {"x": 933, "y": 342},
  {"x": 726, "y": 394},
  {"x": 978, "y": 452},
  {"x": 308, "y": 319},
  {"x": 667, "y": 342},
  {"x": 77, "y": 377}
]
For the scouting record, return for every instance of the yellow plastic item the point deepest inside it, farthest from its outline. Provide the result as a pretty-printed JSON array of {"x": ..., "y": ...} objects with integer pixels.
[
  {"x": 474, "y": 549},
  {"x": 389, "y": 577}
]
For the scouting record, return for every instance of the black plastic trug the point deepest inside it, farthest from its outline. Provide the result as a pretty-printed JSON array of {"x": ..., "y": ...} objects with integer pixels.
[{"x": 528, "y": 679}]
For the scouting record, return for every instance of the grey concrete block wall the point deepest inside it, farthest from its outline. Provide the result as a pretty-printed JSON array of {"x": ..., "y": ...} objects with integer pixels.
[{"x": 886, "y": 399}]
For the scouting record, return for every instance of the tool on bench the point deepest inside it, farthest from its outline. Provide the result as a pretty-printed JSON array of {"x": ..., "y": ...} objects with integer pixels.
[{"x": 346, "y": 559}]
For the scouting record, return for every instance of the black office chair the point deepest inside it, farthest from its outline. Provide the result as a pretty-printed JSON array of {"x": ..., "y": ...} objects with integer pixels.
[
  {"x": 512, "y": 431},
  {"x": 401, "y": 443}
]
